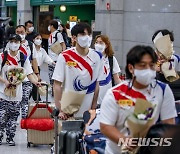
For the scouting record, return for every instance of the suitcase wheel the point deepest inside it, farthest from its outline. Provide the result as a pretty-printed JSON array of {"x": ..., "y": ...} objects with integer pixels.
[{"x": 28, "y": 145}]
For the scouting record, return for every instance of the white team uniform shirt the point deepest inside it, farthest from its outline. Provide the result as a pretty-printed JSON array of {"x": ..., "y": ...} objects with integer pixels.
[
  {"x": 51, "y": 41},
  {"x": 106, "y": 84},
  {"x": 79, "y": 72},
  {"x": 13, "y": 61},
  {"x": 115, "y": 115},
  {"x": 176, "y": 62},
  {"x": 42, "y": 57},
  {"x": 25, "y": 49}
]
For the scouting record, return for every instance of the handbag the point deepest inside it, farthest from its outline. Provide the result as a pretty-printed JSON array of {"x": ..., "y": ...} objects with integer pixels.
[
  {"x": 41, "y": 124},
  {"x": 56, "y": 48}
]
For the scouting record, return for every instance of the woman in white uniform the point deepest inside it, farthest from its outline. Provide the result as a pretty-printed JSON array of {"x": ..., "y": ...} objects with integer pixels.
[
  {"x": 42, "y": 57},
  {"x": 111, "y": 67}
]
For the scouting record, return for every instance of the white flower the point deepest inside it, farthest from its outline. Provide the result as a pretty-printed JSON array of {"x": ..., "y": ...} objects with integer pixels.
[{"x": 141, "y": 116}]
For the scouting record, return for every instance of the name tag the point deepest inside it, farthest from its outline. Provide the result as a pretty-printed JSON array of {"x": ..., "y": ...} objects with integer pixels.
[
  {"x": 71, "y": 63},
  {"x": 125, "y": 102}
]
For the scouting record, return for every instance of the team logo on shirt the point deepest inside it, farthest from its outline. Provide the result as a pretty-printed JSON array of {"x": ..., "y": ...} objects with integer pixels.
[
  {"x": 7, "y": 63},
  {"x": 125, "y": 102},
  {"x": 71, "y": 63},
  {"x": 125, "y": 96}
]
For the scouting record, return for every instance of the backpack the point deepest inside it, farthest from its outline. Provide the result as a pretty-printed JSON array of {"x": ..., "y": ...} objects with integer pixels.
[
  {"x": 65, "y": 38},
  {"x": 111, "y": 69},
  {"x": 94, "y": 139},
  {"x": 56, "y": 36},
  {"x": 22, "y": 59}
]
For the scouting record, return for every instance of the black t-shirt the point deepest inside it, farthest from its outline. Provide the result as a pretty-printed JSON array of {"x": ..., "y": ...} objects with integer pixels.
[
  {"x": 175, "y": 86},
  {"x": 30, "y": 36}
]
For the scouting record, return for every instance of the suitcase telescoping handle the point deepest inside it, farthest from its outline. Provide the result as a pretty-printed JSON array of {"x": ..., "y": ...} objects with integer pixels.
[
  {"x": 55, "y": 114},
  {"x": 43, "y": 84}
]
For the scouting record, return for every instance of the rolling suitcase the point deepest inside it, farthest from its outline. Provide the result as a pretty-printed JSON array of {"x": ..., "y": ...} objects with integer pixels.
[
  {"x": 43, "y": 111},
  {"x": 70, "y": 138}
]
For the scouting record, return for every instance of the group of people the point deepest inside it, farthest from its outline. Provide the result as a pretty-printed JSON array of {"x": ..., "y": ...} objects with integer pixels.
[{"x": 92, "y": 74}]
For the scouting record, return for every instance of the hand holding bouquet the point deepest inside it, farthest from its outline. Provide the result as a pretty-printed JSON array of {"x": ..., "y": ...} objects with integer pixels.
[
  {"x": 140, "y": 120},
  {"x": 15, "y": 76}
]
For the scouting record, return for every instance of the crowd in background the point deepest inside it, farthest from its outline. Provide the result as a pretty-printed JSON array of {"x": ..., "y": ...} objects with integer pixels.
[{"x": 79, "y": 71}]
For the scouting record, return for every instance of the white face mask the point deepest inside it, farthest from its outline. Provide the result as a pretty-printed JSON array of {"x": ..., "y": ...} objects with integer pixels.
[
  {"x": 14, "y": 46},
  {"x": 100, "y": 47},
  {"x": 49, "y": 28},
  {"x": 144, "y": 77},
  {"x": 90, "y": 40},
  {"x": 38, "y": 41},
  {"x": 22, "y": 37},
  {"x": 83, "y": 41},
  {"x": 31, "y": 29}
]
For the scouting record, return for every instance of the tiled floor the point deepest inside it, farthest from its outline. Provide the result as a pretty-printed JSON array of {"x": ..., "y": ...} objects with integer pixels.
[
  {"x": 21, "y": 135},
  {"x": 21, "y": 145}
]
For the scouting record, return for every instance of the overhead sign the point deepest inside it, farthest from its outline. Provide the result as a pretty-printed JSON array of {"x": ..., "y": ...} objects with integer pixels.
[
  {"x": 44, "y": 8},
  {"x": 72, "y": 18}
]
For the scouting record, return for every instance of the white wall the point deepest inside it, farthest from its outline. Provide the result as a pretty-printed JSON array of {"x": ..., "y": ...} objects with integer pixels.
[
  {"x": 133, "y": 22},
  {"x": 24, "y": 11}
]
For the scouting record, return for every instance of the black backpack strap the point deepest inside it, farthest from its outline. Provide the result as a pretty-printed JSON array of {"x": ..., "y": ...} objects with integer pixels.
[
  {"x": 5, "y": 59},
  {"x": 30, "y": 44},
  {"x": 111, "y": 68},
  {"x": 22, "y": 59},
  {"x": 56, "y": 37}
]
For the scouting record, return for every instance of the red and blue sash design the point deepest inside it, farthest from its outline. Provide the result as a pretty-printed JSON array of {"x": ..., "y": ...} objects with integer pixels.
[
  {"x": 123, "y": 92},
  {"x": 23, "y": 50},
  {"x": 78, "y": 62},
  {"x": 11, "y": 60}
]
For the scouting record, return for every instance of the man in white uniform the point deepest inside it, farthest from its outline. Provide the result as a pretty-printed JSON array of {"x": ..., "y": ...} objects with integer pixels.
[
  {"x": 78, "y": 69},
  {"x": 174, "y": 62},
  {"x": 54, "y": 37},
  {"x": 140, "y": 70}
]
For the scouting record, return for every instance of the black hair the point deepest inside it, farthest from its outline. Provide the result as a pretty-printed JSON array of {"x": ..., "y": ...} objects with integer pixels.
[
  {"x": 164, "y": 32},
  {"x": 79, "y": 29},
  {"x": 135, "y": 55},
  {"x": 159, "y": 130},
  {"x": 28, "y": 22},
  {"x": 54, "y": 23},
  {"x": 11, "y": 23},
  {"x": 19, "y": 26},
  {"x": 14, "y": 37},
  {"x": 37, "y": 34},
  {"x": 64, "y": 28}
]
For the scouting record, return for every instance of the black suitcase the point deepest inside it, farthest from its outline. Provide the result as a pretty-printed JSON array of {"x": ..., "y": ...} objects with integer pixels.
[{"x": 70, "y": 138}]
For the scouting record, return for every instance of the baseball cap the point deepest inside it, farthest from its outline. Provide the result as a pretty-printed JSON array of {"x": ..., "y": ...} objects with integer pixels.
[{"x": 15, "y": 37}]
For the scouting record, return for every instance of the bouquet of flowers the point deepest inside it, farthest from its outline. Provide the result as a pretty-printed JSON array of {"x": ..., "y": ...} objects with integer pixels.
[
  {"x": 165, "y": 52},
  {"x": 140, "y": 120},
  {"x": 15, "y": 76}
]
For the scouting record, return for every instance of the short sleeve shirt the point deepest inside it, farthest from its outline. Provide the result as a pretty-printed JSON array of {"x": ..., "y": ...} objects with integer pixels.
[
  {"x": 117, "y": 113},
  {"x": 107, "y": 83},
  {"x": 78, "y": 73},
  {"x": 13, "y": 61},
  {"x": 52, "y": 40}
]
